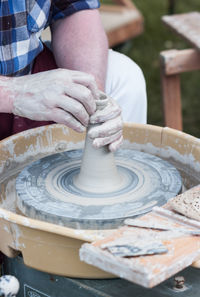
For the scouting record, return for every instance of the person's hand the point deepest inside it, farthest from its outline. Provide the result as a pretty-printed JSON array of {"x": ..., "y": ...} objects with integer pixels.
[
  {"x": 110, "y": 131},
  {"x": 63, "y": 96}
]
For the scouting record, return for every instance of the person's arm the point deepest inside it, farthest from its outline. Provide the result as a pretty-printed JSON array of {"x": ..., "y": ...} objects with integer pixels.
[
  {"x": 67, "y": 96},
  {"x": 60, "y": 95},
  {"x": 6, "y": 102},
  {"x": 80, "y": 43}
]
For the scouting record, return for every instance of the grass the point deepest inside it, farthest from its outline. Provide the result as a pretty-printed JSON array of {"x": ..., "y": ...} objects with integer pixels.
[{"x": 145, "y": 50}]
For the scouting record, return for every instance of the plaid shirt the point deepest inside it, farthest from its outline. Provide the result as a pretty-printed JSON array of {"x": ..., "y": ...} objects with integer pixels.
[{"x": 21, "y": 24}]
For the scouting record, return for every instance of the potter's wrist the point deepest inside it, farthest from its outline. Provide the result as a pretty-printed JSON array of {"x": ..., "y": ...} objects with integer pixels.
[
  {"x": 100, "y": 84},
  {"x": 6, "y": 94}
]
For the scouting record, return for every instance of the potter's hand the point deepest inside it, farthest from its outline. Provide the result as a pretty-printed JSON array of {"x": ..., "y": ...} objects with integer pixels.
[
  {"x": 63, "y": 96},
  {"x": 110, "y": 130}
]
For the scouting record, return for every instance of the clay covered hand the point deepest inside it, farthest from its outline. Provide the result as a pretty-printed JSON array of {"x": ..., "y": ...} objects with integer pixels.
[
  {"x": 61, "y": 95},
  {"x": 109, "y": 132}
]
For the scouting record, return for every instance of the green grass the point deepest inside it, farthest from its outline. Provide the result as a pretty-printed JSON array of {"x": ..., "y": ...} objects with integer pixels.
[{"x": 145, "y": 50}]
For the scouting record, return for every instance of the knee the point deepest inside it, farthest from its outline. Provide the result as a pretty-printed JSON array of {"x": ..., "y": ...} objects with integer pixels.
[
  {"x": 133, "y": 76},
  {"x": 132, "y": 82},
  {"x": 125, "y": 74},
  {"x": 137, "y": 85},
  {"x": 128, "y": 87}
]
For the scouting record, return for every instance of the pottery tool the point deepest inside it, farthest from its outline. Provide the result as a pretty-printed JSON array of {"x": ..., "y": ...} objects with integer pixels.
[
  {"x": 188, "y": 205},
  {"x": 159, "y": 226},
  {"x": 180, "y": 241},
  {"x": 184, "y": 204},
  {"x": 136, "y": 247}
]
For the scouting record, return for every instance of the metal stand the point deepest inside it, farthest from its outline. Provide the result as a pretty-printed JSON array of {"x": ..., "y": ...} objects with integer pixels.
[{"x": 40, "y": 284}]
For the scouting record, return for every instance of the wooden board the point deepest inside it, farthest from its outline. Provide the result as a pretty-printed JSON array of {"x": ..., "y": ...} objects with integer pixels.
[
  {"x": 187, "y": 25},
  {"x": 171, "y": 99},
  {"x": 148, "y": 271},
  {"x": 179, "y": 61}
]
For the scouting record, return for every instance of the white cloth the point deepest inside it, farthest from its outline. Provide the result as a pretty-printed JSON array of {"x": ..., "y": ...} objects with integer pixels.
[{"x": 126, "y": 84}]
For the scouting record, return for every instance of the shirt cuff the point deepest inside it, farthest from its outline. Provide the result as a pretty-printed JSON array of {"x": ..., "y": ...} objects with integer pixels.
[{"x": 74, "y": 7}]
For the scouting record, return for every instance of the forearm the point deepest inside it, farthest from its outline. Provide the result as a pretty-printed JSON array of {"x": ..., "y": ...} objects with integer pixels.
[
  {"x": 6, "y": 96},
  {"x": 80, "y": 43}
]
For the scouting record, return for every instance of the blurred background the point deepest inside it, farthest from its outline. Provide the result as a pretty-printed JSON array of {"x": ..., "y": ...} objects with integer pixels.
[{"x": 144, "y": 50}]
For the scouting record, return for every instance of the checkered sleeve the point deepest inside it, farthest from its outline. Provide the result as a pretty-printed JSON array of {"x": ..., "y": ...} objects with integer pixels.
[{"x": 63, "y": 8}]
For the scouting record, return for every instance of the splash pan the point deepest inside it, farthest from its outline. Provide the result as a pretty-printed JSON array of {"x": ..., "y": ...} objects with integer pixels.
[{"x": 52, "y": 248}]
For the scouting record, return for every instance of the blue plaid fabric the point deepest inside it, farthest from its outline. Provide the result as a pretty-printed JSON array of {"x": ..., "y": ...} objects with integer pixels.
[{"x": 21, "y": 24}]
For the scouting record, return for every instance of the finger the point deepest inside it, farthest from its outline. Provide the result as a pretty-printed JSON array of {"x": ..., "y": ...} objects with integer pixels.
[
  {"x": 61, "y": 117},
  {"x": 75, "y": 108},
  {"x": 88, "y": 81},
  {"x": 83, "y": 95},
  {"x": 106, "y": 129},
  {"x": 116, "y": 144},
  {"x": 111, "y": 111},
  {"x": 98, "y": 142}
]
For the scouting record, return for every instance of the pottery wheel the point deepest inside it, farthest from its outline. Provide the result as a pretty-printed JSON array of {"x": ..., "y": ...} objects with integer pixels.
[{"x": 46, "y": 190}]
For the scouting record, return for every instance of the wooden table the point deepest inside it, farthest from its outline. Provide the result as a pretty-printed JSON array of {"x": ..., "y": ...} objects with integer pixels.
[{"x": 174, "y": 62}]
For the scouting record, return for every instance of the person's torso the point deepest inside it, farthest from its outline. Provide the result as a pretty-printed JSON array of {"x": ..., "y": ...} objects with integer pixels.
[{"x": 21, "y": 24}]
